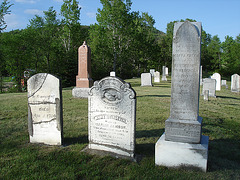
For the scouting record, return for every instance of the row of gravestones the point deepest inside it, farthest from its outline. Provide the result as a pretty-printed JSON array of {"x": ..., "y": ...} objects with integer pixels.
[
  {"x": 214, "y": 83},
  {"x": 112, "y": 108},
  {"x": 146, "y": 78}
]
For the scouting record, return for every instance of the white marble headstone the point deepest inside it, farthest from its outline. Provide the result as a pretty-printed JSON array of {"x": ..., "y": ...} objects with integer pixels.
[
  {"x": 156, "y": 76},
  {"x": 235, "y": 83},
  {"x": 45, "y": 109},
  {"x": 112, "y": 117},
  {"x": 146, "y": 79},
  {"x": 210, "y": 85},
  {"x": 217, "y": 76}
]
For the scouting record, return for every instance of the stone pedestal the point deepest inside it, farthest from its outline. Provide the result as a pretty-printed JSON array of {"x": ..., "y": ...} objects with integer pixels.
[
  {"x": 178, "y": 154},
  {"x": 80, "y": 92}
]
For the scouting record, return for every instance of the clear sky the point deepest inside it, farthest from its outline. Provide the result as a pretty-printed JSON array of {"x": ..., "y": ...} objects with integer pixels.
[{"x": 218, "y": 17}]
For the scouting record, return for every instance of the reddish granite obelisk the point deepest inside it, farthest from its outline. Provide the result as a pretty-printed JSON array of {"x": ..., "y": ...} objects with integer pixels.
[{"x": 83, "y": 79}]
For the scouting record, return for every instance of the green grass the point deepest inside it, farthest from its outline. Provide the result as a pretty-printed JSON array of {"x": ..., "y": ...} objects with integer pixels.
[{"x": 21, "y": 160}]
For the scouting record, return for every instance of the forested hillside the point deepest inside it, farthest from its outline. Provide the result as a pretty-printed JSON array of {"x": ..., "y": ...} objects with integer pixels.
[{"x": 123, "y": 40}]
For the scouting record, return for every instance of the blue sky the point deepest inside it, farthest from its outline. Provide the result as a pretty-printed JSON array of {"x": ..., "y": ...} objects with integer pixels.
[{"x": 218, "y": 17}]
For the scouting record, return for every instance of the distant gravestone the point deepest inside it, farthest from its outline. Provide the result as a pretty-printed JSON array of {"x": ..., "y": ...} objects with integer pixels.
[
  {"x": 210, "y": 85},
  {"x": 113, "y": 73},
  {"x": 235, "y": 83},
  {"x": 217, "y": 76},
  {"x": 152, "y": 71},
  {"x": 112, "y": 117},
  {"x": 45, "y": 109},
  {"x": 146, "y": 79},
  {"x": 83, "y": 80},
  {"x": 182, "y": 143},
  {"x": 156, "y": 76},
  {"x": 224, "y": 82},
  {"x": 164, "y": 78},
  {"x": 205, "y": 95},
  {"x": 166, "y": 71}
]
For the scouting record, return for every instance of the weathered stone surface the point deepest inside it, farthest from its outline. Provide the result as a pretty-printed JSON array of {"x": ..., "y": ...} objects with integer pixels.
[
  {"x": 185, "y": 155},
  {"x": 45, "y": 109},
  {"x": 210, "y": 85},
  {"x": 156, "y": 76},
  {"x": 80, "y": 92},
  {"x": 164, "y": 78},
  {"x": 185, "y": 84},
  {"x": 146, "y": 79},
  {"x": 83, "y": 79},
  {"x": 182, "y": 144},
  {"x": 235, "y": 83},
  {"x": 112, "y": 117},
  {"x": 217, "y": 76}
]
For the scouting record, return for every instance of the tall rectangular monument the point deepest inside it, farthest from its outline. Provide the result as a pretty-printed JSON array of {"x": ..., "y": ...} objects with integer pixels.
[
  {"x": 182, "y": 144},
  {"x": 83, "y": 80}
]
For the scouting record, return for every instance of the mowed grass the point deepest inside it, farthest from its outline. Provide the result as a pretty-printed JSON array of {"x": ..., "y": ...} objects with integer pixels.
[{"x": 21, "y": 160}]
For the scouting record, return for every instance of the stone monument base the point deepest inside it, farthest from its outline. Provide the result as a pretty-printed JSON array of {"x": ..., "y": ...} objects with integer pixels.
[
  {"x": 182, "y": 155},
  {"x": 109, "y": 150},
  {"x": 164, "y": 78},
  {"x": 80, "y": 92}
]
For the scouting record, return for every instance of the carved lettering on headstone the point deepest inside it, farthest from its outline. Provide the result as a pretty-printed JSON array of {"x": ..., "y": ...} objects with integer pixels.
[
  {"x": 112, "y": 116},
  {"x": 45, "y": 109}
]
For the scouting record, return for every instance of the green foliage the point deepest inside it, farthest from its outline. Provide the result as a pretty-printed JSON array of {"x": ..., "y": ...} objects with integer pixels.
[
  {"x": 4, "y": 9},
  {"x": 122, "y": 41}
]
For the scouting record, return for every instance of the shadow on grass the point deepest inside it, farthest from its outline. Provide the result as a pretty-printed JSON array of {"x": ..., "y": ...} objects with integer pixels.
[
  {"x": 75, "y": 140},
  {"x": 224, "y": 154},
  {"x": 154, "y": 96},
  {"x": 147, "y": 149},
  {"x": 149, "y": 133},
  {"x": 227, "y": 97}
]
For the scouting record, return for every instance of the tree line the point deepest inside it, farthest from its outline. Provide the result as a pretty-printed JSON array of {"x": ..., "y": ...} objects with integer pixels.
[{"x": 124, "y": 41}]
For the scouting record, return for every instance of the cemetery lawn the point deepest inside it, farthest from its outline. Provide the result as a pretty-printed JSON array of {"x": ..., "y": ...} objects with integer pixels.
[{"x": 21, "y": 160}]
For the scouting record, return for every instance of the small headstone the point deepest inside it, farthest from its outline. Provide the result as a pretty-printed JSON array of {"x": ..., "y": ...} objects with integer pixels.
[
  {"x": 210, "y": 85},
  {"x": 183, "y": 144},
  {"x": 166, "y": 71},
  {"x": 112, "y": 117},
  {"x": 224, "y": 82},
  {"x": 156, "y": 76},
  {"x": 235, "y": 83},
  {"x": 152, "y": 71},
  {"x": 45, "y": 109},
  {"x": 112, "y": 73},
  {"x": 164, "y": 78},
  {"x": 146, "y": 79},
  {"x": 217, "y": 76},
  {"x": 205, "y": 95},
  {"x": 83, "y": 80}
]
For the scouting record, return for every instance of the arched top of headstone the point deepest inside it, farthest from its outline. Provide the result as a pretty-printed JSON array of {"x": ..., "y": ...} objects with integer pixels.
[
  {"x": 185, "y": 28},
  {"x": 43, "y": 83},
  {"x": 112, "y": 89}
]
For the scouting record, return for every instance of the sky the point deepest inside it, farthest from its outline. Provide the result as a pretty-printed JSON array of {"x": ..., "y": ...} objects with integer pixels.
[{"x": 218, "y": 17}]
